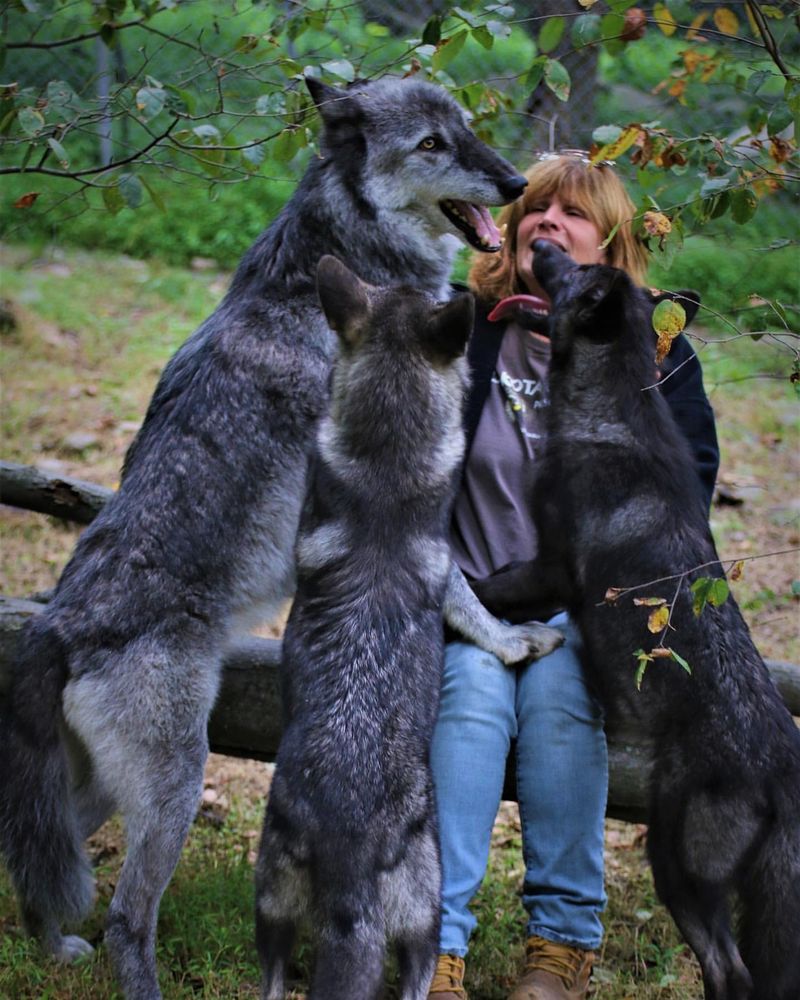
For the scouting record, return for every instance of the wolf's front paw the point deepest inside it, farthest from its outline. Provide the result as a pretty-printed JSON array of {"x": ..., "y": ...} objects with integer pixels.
[
  {"x": 71, "y": 948},
  {"x": 529, "y": 641}
]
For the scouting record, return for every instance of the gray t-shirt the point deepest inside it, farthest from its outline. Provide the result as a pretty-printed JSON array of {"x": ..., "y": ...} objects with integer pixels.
[{"x": 492, "y": 522}]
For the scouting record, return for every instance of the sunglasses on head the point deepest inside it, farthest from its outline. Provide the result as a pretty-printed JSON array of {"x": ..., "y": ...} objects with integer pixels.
[{"x": 577, "y": 154}]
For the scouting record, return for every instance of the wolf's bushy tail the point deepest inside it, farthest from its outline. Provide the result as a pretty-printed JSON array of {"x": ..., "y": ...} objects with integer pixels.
[{"x": 40, "y": 839}]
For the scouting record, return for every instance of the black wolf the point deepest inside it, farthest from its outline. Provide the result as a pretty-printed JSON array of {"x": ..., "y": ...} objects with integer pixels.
[
  {"x": 118, "y": 675},
  {"x": 350, "y": 838},
  {"x": 618, "y": 503}
]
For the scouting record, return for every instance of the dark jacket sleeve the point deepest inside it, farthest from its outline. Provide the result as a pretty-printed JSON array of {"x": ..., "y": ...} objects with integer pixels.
[{"x": 682, "y": 388}]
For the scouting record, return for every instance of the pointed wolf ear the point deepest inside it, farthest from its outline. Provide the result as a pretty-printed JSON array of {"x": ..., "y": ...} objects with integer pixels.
[
  {"x": 333, "y": 104},
  {"x": 450, "y": 326},
  {"x": 344, "y": 298},
  {"x": 689, "y": 299}
]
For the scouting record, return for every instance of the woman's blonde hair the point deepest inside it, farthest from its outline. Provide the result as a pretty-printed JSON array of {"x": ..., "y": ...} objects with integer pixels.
[{"x": 596, "y": 191}]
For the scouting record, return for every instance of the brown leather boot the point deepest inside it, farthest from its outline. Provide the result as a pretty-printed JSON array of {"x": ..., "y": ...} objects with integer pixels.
[
  {"x": 554, "y": 971},
  {"x": 448, "y": 979}
]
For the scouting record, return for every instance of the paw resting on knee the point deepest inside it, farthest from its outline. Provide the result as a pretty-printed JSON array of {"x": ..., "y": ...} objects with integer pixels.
[{"x": 529, "y": 641}]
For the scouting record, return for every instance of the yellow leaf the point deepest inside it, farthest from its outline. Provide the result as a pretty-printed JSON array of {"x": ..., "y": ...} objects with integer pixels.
[
  {"x": 664, "y": 19},
  {"x": 613, "y": 150},
  {"x": 586, "y": 4},
  {"x": 696, "y": 24},
  {"x": 726, "y": 21},
  {"x": 737, "y": 570},
  {"x": 658, "y": 619},
  {"x": 649, "y": 602}
]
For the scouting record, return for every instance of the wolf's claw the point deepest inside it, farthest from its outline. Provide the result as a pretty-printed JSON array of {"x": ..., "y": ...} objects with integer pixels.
[{"x": 72, "y": 948}]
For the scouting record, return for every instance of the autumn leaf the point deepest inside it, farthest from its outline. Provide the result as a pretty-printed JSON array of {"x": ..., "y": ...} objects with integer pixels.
[
  {"x": 658, "y": 619},
  {"x": 27, "y": 199},
  {"x": 614, "y": 149},
  {"x": 669, "y": 318},
  {"x": 737, "y": 570},
  {"x": 656, "y": 224},
  {"x": 664, "y": 19},
  {"x": 693, "y": 33},
  {"x": 587, "y": 4},
  {"x": 726, "y": 21},
  {"x": 613, "y": 594},
  {"x": 649, "y": 602},
  {"x": 635, "y": 24}
]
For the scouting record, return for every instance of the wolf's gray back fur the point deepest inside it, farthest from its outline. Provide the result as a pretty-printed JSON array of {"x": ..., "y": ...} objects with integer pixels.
[
  {"x": 619, "y": 504},
  {"x": 201, "y": 530},
  {"x": 349, "y": 838}
]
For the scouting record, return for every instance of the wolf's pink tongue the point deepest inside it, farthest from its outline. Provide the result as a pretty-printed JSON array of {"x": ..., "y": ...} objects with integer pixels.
[
  {"x": 481, "y": 221},
  {"x": 516, "y": 303}
]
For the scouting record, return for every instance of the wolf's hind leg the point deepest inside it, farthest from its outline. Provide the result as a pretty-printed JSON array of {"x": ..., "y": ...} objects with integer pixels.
[
  {"x": 158, "y": 813},
  {"x": 412, "y": 901},
  {"x": 282, "y": 897},
  {"x": 700, "y": 910}
]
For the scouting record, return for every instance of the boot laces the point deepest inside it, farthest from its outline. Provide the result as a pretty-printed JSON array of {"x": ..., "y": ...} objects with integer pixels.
[
  {"x": 449, "y": 976},
  {"x": 559, "y": 959}
]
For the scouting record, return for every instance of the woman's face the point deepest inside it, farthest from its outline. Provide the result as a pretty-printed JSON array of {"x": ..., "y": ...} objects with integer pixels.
[{"x": 561, "y": 223}]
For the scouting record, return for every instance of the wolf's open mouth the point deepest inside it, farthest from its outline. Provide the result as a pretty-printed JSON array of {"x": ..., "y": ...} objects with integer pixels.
[{"x": 475, "y": 223}]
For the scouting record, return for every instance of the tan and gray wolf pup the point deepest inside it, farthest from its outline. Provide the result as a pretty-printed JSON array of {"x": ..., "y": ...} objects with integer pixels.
[
  {"x": 117, "y": 676},
  {"x": 350, "y": 838},
  {"x": 618, "y": 502}
]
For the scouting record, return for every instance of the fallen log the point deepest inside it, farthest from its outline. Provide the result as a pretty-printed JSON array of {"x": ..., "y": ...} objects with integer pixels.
[
  {"x": 30, "y": 488},
  {"x": 246, "y": 721}
]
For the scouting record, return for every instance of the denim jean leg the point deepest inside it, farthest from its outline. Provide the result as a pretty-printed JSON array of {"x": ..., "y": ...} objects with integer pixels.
[
  {"x": 470, "y": 745},
  {"x": 562, "y": 786}
]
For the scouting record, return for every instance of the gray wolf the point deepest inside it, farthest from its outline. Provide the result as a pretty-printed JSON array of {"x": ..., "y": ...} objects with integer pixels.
[
  {"x": 116, "y": 678},
  {"x": 620, "y": 505},
  {"x": 350, "y": 838}
]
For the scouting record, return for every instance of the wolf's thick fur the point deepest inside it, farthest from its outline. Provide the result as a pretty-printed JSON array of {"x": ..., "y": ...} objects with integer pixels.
[
  {"x": 117, "y": 676},
  {"x": 350, "y": 838},
  {"x": 619, "y": 505}
]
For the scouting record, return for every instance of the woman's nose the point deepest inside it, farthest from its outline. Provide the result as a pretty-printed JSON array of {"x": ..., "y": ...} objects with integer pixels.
[{"x": 551, "y": 219}]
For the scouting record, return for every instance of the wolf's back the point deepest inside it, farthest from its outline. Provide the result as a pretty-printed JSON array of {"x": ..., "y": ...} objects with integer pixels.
[{"x": 40, "y": 839}]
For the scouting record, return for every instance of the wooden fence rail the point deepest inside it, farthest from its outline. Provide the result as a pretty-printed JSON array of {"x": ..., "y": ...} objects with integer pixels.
[{"x": 246, "y": 721}]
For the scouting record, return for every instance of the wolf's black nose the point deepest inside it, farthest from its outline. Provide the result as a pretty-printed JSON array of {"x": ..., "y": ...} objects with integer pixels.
[{"x": 513, "y": 186}]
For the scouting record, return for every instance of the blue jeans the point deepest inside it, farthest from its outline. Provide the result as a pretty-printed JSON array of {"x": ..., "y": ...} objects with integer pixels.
[{"x": 562, "y": 784}]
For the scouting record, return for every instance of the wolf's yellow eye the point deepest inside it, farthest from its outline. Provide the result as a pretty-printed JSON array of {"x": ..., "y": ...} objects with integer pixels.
[{"x": 429, "y": 142}]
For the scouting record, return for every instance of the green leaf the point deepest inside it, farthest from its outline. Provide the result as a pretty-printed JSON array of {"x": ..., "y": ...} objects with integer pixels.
[
  {"x": 483, "y": 36},
  {"x": 744, "y": 204},
  {"x": 557, "y": 79},
  {"x": 288, "y": 144},
  {"x": 155, "y": 197},
  {"x": 30, "y": 121},
  {"x": 680, "y": 660},
  {"x": 643, "y": 659},
  {"x": 585, "y": 30},
  {"x": 718, "y": 592},
  {"x": 536, "y": 72},
  {"x": 466, "y": 16},
  {"x": 271, "y": 104},
  {"x": 448, "y": 50},
  {"x": 253, "y": 156},
  {"x": 131, "y": 189},
  {"x": 178, "y": 101},
  {"x": 551, "y": 33},
  {"x": 61, "y": 153},
  {"x": 432, "y": 31},
  {"x": 611, "y": 27},
  {"x": 791, "y": 94},
  {"x": 150, "y": 102},
  {"x": 112, "y": 197},
  {"x": 209, "y": 135},
  {"x": 499, "y": 29},
  {"x": 605, "y": 134},
  {"x": 59, "y": 93},
  {"x": 342, "y": 68},
  {"x": 669, "y": 318},
  {"x": 713, "y": 590}
]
